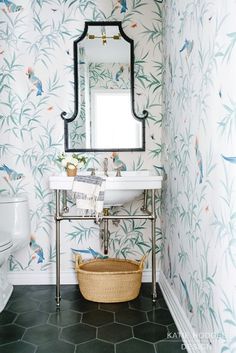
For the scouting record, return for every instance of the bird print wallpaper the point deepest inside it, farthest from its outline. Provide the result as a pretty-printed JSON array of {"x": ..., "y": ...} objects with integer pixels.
[
  {"x": 199, "y": 156},
  {"x": 193, "y": 43},
  {"x": 36, "y": 86}
]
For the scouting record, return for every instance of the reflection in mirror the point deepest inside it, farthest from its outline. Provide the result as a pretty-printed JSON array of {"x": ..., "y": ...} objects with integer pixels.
[{"x": 104, "y": 117}]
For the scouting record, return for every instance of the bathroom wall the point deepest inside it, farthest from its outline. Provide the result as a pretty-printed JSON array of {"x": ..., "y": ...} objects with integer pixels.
[
  {"x": 199, "y": 133},
  {"x": 37, "y": 38}
]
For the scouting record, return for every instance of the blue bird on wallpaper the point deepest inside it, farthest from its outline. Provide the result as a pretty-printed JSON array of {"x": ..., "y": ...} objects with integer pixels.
[
  {"x": 37, "y": 250},
  {"x": 11, "y": 173},
  {"x": 189, "y": 305},
  {"x": 229, "y": 159},
  {"x": 123, "y": 5},
  {"x": 199, "y": 160},
  {"x": 35, "y": 81},
  {"x": 95, "y": 254},
  {"x": 119, "y": 73},
  {"x": 11, "y": 7},
  {"x": 188, "y": 46},
  {"x": 118, "y": 162}
]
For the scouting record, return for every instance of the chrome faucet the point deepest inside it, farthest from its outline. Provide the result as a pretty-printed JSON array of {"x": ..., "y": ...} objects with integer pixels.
[
  {"x": 92, "y": 170},
  {"x": 105, "y": 166},
  {"x": 118, "y": 172}
]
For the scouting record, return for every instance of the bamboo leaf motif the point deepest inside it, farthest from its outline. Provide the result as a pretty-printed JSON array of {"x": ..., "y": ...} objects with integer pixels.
[
  {"x": 156, "y": 151},
  {"x": 138, "y": 165},
  {"x": 81, "y": 233},
  {"x": 231, "y": 46},
  {"x": 228, "y": 122},
  {"x": 154, "y": 34}
]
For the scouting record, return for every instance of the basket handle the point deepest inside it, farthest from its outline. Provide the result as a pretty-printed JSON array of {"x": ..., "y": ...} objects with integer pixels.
[
  {"x": 78, "y": 261},
  {"x": 141, "y": 264}
]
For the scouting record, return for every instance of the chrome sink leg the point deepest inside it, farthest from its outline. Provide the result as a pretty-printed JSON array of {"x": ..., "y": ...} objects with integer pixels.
[
  {"x": 154, "y": 291},
  {"x": 57, "y": 219},
  {"x": 106, "y": 231}
]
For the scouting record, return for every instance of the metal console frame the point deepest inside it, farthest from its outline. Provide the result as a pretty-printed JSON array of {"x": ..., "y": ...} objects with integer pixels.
[{"x": 60, "y": 216}]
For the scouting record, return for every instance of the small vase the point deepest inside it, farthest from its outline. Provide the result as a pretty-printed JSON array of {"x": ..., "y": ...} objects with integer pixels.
[{"x": 71, "y": 172}]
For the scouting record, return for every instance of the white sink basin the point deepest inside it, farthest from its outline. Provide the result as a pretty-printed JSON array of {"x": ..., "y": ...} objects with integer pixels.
[{"x": 118, "y": 190}]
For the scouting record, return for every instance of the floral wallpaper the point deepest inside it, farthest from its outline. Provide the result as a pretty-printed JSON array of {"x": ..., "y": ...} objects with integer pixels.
[
  {"x": 36, "y": 86},
  {"x": 199, "y": 131}
]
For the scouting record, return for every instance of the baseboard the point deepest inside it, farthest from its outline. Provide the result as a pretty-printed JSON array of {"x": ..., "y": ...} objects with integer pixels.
[
  {"x": 186, "y": 331},
  {"x": 67, "y": 277},
  {"x": 40, "y": 277}
]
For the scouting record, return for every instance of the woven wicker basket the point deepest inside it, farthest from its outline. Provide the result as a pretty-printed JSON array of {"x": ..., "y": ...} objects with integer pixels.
[{"x": 109, "y": 280}]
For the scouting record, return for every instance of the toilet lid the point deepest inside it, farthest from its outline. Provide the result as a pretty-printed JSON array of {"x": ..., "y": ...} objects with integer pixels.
[{"x": 5, "y": 241}]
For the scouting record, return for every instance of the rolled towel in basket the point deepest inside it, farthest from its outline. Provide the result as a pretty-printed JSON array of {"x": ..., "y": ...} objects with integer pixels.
[{"x": 89, "y": 191}]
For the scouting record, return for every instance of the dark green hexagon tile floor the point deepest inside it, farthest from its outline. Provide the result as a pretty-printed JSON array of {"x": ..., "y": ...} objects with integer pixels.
[{"x": 31, "y": 323}]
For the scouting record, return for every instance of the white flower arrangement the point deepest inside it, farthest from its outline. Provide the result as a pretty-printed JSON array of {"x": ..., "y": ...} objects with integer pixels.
[{"x": 71, "y": 161}]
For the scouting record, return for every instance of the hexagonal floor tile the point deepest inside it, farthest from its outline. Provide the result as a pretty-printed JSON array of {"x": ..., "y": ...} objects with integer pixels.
[
  {"x": 114, "y": 307},
  {"x": 50, "y": 306},
  {"x": 131, "y": 317},
  {"x": 71, "y": 292},
  {"x": 173, "y": 331},
  {"x": 144, "y": 304},
  {"x": 98, "y": 318},
  {"x": 56, "y": 346},
  {"x": 167, "y": 346},
  {"x": 160, "y": 316},
  {"x": 78, "y": 333},
  {"x": 162, "y": 303},
  {"x": 42, "y": 294},
  {"x": 83, "y": 305},
  {"x": 32, "y": 319},
  {"x": 150, "y": 332},
  {"x": 146, "y": 290},
  {"x": 95, "y": 346},
  {"x": 10, "y": 333},
  {"x": 7, "y": 317},
  {"x": 114, "y": 333},
  {"x": 19, "y": 292},
  {"x": 18, "y": 347},
  {"x": 41, "y": 334},
  {"x": 65, "y": 318},
  {"x": 135, "y": 346},
  {"x": 22, "y": 305}
]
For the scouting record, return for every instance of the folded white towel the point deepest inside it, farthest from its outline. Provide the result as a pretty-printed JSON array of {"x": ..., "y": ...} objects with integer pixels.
[{"x": 89, "y": 194}]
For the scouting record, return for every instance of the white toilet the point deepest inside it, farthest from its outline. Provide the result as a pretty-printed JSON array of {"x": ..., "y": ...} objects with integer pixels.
[{"x": 14, "y": 235}]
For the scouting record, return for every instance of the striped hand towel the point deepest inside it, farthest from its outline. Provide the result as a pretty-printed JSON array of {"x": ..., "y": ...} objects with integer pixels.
[{"x": 89, "y": 194}]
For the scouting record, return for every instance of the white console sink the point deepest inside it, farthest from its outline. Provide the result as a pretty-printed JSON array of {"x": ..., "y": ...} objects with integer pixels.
[{"x": 118, "y": 190}]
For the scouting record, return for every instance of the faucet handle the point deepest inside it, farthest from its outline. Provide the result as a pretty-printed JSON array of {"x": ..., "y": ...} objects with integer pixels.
[
  {"x": 92, "y": 170},
  {"x": 105, "y": 166},
  {"x": 118, "y": 172}
]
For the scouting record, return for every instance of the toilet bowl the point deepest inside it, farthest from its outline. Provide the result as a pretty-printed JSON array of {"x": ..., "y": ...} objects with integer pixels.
[
  {"x": 14, "y": 235},
  {"x": 5, "y": 251}
]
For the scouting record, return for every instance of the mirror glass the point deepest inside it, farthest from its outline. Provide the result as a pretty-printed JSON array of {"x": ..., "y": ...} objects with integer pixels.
[{"x": 103, "y": 118}]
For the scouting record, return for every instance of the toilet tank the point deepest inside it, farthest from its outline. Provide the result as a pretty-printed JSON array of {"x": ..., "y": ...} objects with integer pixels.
[{"x": 15, "y": 218}]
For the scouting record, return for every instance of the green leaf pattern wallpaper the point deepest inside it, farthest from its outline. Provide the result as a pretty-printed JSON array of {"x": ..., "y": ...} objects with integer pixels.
[
  {"x": 36, "y": 85},
  {"x": 199, "y": 197},
  {"x": 198, "y": 239}
]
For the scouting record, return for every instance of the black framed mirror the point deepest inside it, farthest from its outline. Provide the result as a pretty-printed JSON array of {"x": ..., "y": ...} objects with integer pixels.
[{"x": 104, "y": 117}]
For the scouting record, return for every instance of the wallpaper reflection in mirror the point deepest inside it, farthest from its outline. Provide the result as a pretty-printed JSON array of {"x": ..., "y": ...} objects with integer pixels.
[{"x": 104, "y": 119}]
